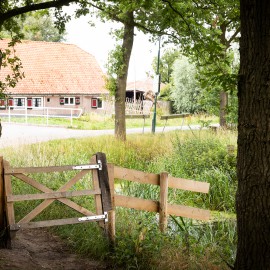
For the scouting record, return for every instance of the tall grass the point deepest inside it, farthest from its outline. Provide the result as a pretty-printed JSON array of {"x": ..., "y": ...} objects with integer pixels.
[{"x": 200, "y": 155}]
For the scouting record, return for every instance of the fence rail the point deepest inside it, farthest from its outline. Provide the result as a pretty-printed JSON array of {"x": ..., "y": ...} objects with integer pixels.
[
  {"x": 165, "y": 181},
  {"x": 105, "y": 198},
  {"x": 44, "y": 112}
]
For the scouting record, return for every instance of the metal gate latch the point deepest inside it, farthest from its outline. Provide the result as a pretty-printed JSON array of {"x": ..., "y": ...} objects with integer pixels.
[
  {"x": 93, "y": 218},
  {"x": 89, "y": 167}
]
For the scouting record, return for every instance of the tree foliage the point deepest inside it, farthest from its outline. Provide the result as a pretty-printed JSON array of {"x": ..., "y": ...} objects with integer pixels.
[
  {"x": 166, "y": 63},
  {"x": 185, "y": 90},
  {"x": 206, "y": 31},
  {"x": 38, "y": 26}
]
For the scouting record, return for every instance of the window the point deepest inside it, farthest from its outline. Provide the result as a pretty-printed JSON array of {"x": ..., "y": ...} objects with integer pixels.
[
  {"x": 96, "y": 103},
  {"x": 48, "y": 100},
  {"x": 19, "y": 102},
  {"x": 67, "y": 101},
  {"x": 37, "y": 102}
]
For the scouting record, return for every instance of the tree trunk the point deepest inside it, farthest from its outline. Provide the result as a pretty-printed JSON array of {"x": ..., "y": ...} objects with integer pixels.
[
  {"x": 120, "y": 95},
  {"x": 223, "y": 102},
  {"x": 253, "y": 164},
  {"x": 223, "y": 107}
]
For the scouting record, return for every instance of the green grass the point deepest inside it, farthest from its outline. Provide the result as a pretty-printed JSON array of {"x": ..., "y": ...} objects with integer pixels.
[
  {"x": 102, "y": 121},
  {"x": 188, "y": 244}
]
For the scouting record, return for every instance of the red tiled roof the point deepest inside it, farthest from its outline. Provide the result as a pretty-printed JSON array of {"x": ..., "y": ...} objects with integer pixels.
[{"x": 56, "y": 68}]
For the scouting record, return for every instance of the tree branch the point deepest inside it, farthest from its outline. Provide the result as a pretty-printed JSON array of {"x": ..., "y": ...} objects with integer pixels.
[
  {"x": 238, "y": 30},
  {"x": 114, "y": 17},
  {"x": 21, "y": 10},
  {"x": 180, "y": 14}
]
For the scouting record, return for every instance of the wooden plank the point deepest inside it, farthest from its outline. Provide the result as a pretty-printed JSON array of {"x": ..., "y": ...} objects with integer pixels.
[
  {"x": 142, "y": 116},
  {"x": 190, "y": 185},
  {"x": 46, "y": 203},
  {"x": 8, "y": 190},
  {"x": 49, "y": 223},
  {"x": 42, "y": 169},
  {"x": 153, "y": 206},
  {"x": 103, "y": 178},
  {"x": 136, "y": 176},
  {"x": 2, "y": 198},
  {"x": 136, "y": 203},
  {"x": 74, "y": 180},
  {"x": 163, "y": 203},
  {"x": 51, "y": 195},
  {"x": 5, "y": 239},
  {"x": 30, "y": 181},
  {"x": 188, "y": 212},
  {"x": 171, "y": 116},
  {"x": 98, "y": 203},
  {"x": 76, "y": 207}
]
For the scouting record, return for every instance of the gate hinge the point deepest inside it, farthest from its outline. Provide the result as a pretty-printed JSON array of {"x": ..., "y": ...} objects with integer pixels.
[
  {"x": 89, "y": 167},
  {"x": 94, "y": 218}
]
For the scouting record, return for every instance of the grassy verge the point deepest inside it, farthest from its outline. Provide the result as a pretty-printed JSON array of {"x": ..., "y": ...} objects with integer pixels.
[
  {"x": 188, "y": 244},
  {"x": 101, "y": 121}
]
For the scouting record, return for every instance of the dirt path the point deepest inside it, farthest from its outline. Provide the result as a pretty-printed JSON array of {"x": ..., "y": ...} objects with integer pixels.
[{"x": 38, "y": 249}]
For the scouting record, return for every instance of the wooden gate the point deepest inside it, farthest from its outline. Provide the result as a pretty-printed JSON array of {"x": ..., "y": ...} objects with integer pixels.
[{"x": 101, "y": 192}]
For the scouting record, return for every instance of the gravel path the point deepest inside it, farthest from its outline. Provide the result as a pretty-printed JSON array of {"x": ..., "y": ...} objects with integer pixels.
[{"x": 18, "y": 134}]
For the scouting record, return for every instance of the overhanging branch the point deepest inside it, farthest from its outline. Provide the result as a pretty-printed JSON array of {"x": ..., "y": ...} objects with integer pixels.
[{"x": 45, "y": 5}]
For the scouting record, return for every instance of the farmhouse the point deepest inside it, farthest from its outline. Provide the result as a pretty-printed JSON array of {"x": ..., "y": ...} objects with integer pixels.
[{"x": 55, "y": 75}]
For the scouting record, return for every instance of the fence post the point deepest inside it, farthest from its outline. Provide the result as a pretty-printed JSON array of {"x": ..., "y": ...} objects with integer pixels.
[
  {"x": 98, "y": 203},
  {"x": 2, "y": 203},
  {"x": 111, "y": 217},
  {"x": 71, "y": 117},
  {"x": 163, "y": 204},
  {"x": 9, "y": 114},
  {"x": 26, "y": 116},
  {"x": 5, "y": 239},
  {"x": 47, "y": 116}
]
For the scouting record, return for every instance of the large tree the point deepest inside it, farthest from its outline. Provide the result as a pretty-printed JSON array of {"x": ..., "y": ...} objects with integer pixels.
[
  {"x": 207, "y": 30},
  {"x": 253, "y": 195},
  {"x": 130, "y": 14}
]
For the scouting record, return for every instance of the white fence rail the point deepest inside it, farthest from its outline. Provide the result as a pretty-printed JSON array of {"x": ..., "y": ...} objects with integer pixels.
[{"x": 43, "y": 112}]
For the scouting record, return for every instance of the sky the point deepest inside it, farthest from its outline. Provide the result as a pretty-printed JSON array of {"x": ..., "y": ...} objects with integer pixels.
[{"x": 97, "y": 41}]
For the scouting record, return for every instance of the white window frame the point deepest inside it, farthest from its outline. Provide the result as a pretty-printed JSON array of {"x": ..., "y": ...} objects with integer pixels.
[
  {"x": 34, "y": 101},
  {"x": 15, "y": 102},
  {"x": 69, "y": 98}
]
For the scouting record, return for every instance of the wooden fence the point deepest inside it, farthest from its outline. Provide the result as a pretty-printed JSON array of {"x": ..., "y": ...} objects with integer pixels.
[
  {"x": 165, "y": 181},
  {"x": 106, "y": 200}
]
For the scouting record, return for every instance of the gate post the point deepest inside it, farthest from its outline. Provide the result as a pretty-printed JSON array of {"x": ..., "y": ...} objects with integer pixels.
[
  {"x": 5, "y": 239},
  {"x": 104, "y": 201}
]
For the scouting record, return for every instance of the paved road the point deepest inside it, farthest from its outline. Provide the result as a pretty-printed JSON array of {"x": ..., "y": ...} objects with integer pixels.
[{"x": 18, "y": 134}]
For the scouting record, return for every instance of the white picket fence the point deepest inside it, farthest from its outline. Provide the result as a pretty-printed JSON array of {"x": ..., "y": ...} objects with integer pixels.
[
  {"x": 140, "y": 107},
  {"x": 26, "y": 113}
]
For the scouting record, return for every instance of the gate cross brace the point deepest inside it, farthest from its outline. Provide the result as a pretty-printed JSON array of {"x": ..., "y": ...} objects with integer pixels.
[{"x": 47, "y": 202}]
